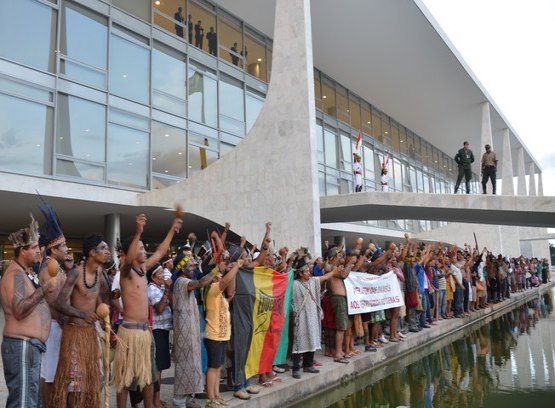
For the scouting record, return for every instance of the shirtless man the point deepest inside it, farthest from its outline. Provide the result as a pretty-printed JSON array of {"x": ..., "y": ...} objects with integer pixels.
[
  {"x": 133, "y": 362},
  {"x": 27, "y": 320},
  {"x": 340, "y": 309},
  {"x": 56, "y": 253},
  {"x": 78, "y": 377}
]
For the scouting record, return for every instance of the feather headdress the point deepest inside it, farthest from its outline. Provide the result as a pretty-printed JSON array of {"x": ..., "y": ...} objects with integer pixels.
[
  {"x": 51, "y": 228},
  {"x": 25, "y": 236}
]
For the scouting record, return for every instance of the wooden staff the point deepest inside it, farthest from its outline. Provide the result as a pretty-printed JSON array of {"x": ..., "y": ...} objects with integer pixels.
[{"x": 103, "y": 311}]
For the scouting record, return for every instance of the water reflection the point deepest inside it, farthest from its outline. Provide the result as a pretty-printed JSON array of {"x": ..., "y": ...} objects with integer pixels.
[{"x": 507, "y": 362}]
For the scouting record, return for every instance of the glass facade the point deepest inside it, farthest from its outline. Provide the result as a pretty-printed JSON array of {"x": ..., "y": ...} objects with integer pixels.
[{"x": 142, "y": 94}]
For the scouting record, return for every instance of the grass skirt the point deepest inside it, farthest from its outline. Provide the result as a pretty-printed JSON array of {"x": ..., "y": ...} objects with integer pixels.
[
  {"x": 132, "y": 361},
  {"x": 78, "y": 369}
]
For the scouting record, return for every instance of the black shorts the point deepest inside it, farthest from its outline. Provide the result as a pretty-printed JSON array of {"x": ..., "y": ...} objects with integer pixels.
[
  {"x": 162, "y": 342},
  {"x": 215, "y": 351}
]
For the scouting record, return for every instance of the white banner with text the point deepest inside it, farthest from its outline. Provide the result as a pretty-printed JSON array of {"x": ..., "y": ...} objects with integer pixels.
[{"x": 368, "y": 293}]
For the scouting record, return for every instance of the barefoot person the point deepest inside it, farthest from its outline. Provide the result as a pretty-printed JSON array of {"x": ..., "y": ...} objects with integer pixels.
[
  {"x": 78, "y": 377},
  {"x": 51, "y": 269},
  {"x": 27, "y": 318},
  {"x": 134, "y": 357}
]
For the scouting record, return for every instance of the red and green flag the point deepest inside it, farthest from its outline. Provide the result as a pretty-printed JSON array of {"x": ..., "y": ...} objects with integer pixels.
[{"x": 258, "y": 320}]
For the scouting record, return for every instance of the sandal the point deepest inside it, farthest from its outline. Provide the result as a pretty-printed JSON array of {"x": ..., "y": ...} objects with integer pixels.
[
  {"x": 341, "y": 360},
  {"x": 266, "y": 384},
  {"x": 278, "y": 369}
]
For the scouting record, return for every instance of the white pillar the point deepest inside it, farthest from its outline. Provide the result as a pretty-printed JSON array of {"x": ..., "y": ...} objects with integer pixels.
[
  {"x": 540, "y": 184},
  {"x": 112, "y": 232},
  {"x": 507, "y": 165},
  {"x": 532, "y": 180},
  {"x": 247, "y": 175},
  {"x": 486, "y": 127},
  {"x": 521, "y": 174}
]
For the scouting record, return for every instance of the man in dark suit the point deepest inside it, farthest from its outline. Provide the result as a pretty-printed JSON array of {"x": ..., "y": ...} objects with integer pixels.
[
  {"x": 178, "y": 16},
  {"x": 190, "y": 28},
  {"x": 234, "y": 56},
  {"x": 199, "y": 34},
  {"x": 212, "y": 38}
]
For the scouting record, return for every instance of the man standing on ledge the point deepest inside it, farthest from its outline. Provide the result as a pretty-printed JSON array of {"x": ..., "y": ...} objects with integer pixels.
[
  {"x": 464, "y": 159},
  {"x": 489, "y": 168}
]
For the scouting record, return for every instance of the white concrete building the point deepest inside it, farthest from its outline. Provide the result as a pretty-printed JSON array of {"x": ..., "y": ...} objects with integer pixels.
[{"x": 110, "y": 107}]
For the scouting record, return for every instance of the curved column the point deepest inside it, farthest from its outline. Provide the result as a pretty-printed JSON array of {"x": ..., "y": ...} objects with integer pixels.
[
  {"x": 507, "y": 166},
  {"x": 532, "y": 180},
  {"x": 272, "y": 174},
  {"x": 112, "y": 232},
  {"x": 521, "y": 173},
  {"x": 540, "y": 185},
  {"x": 486, "y": 137}
]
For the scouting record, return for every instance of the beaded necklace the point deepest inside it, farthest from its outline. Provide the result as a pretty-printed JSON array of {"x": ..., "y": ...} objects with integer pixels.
[{"x": 85, "y": 278}]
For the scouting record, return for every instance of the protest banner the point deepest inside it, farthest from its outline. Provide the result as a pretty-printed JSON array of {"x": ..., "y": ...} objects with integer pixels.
[{"x": 368, "y": 293}]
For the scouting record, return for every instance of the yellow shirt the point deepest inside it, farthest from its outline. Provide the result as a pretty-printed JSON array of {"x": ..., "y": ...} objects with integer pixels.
[{"x": 218, "y": 319}]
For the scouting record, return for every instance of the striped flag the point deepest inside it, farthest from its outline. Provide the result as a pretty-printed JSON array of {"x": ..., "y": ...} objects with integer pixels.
[
  {"x": 258, "y": 319},
  {"x": 358, "y": 145}
]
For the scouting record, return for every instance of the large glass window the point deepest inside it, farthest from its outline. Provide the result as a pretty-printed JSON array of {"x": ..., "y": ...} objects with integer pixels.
[
  {"x": 317, "y": 90},
  {"x": 232, "y": 111},
  {"x": 320, "y": 142},
  {"x": 203, "y": 96},
  {"x": 328, "y": 97},
  {"x": 231, "y": 40},
  {"x": 129, "y": 69},
  {"x": 28, "y": 33},
  {"x": 169, "y": 154},
  {"x": 354, "y": 112},
  {"x": 25, "y": 136},
  {"x": 137, "y": 8},
  {"x": 81, "y": 129},
  {"x": 342, "y": 104},
  {"x": 377, "y": 125},
  {"x": 255, "y": 57},
  {"x": 366, "y": 118},
  {"x": 397, "y": 175},
  {"x": 345, "y": 153},
  {"x": 128, "y": 151},
  {"x": 200, "y": 157},
  {"x": 330, "y": 145},
  {"x": 168, "y": 16},
  {"x": 369, "y": 167},
  {"x": 83, "y": 45},
  {"x": 199, "y": 21},
  {"x": 169, "y": 80},
  {"x": 254, "y": 103}
]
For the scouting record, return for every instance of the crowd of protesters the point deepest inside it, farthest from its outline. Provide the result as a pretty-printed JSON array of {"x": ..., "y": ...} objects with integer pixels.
[{"x": 173, "y": 307}]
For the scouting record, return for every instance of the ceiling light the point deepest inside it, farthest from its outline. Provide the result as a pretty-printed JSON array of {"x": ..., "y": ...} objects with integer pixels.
[
  {"x": 154, "y": 158},
  {"x": 259, "y": 59},
  {"x": 324, "y": 97},
  {"x": 369, "y": 122},
  {"x": 166, "y": 135},
  {"x": 435, "y": 161},
  {"x": 402, "y": 141},
  {"x": 165, "y": 171},
  {"x": 157, "y": 3},
  {"x": 348, "y": 110},
  {"x": 190, "y": 167},
  {"x": 38, "y": 145},
  {"x": 61, "y": 138},
  {"x": 124, "y": 75},
  {"x": 87, "y": 130},
  {"x": 180, "y": 153},
  {"x": 386, "y": 133}
]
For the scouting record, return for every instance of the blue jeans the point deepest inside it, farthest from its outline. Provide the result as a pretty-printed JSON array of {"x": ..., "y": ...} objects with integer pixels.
[
  {"x": 425, "y": 308},
  {"x": 459, "y": 300},
  {"x": 443, "y": 303}
]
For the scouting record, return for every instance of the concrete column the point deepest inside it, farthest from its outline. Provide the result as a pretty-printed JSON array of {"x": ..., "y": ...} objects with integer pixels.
[
  {"x": 254, "y": 175},
  {"x": 532, "y": 180},
  {"x": 507, "y": 166},
  {"x": 486, "y": 127},
  {"x": 540, "y": 184},
  {"x": 112, "y": 232},
  {"x": 521, "y": 174}
]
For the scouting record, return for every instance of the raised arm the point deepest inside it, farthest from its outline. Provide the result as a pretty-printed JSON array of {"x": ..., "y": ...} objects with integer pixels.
[
  {"x": 131, "y": 254},
  {"x": 265, "y": 245},
  {"x": 223, "y": 237},
  {"x": 165, "y": 245},
  {"x": 197, "y": 284},
  {"x": 230, "y": 276}
]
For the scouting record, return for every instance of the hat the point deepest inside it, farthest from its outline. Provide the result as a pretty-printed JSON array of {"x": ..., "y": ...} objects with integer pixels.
[
  {"x": 205, "y": 249},
  {"x": 300, "y": 265},
  {"x": 51, "y": 229},
  {"x": 186, "y": 247},
  {"x": 25, "y": 236},
  {"x": 356, "y": 155},
  {"x": 235, "y": 252},
  {"x": 465, "y": 143}
]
